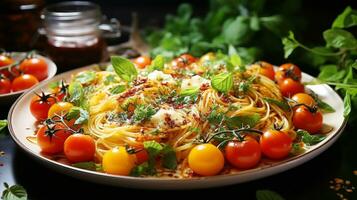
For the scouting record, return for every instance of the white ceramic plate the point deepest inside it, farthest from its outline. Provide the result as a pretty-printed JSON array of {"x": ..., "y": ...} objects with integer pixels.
[
  {"x": 22, "y": 125},
  {"x": 8, "y": 99}
]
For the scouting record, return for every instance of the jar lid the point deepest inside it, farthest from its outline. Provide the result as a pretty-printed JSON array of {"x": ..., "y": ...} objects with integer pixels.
[{"x": 72, "y": 16}]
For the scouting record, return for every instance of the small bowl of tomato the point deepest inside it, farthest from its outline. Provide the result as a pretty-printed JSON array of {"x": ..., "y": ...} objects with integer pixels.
[{"x": 20, "y": 71}]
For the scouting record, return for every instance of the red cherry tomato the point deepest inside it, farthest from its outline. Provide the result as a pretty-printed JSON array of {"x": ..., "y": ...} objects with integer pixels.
[
  {"x": 288, "y": 70},
  {"x": 40, "y": 104},
  {"x": 51, "y": 140},
  {"x": 275, "y": 144},
  {"x": 183, "y": 61},
  {"x": 36, "y": 67},
  {"x": 79, "y": 148},
  {"x": 5, "y": 60},
  {"x": 289, "y": 87},
  {"x": 142, "y": 61},
  {"x": 243, "y": 154},
  {"x": 141, "y": 157},
  {"x": 24, "y": 82},
  {"x": 5, "y": 85},
  {"x": 267, "y": 70},
  {"x": 309, "y": 120}
]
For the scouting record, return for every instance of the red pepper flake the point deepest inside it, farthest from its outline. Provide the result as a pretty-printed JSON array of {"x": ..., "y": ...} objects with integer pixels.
[
  {"x": 204, "y": 87},
  {"x": 169, "y": 121}
]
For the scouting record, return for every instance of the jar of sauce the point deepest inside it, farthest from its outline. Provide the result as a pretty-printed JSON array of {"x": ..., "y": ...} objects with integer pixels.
[
  {"x": 73, "y": 35},
  {"x": 19, "y": 21}
]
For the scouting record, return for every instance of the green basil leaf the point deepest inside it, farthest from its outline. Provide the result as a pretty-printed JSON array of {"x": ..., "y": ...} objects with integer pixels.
[
  {"x": 325, "y": 107},
  {"x": 85, "y": 77},
  {"x": 222, "y": 82},
  {"x": 157, "y": 64},
  {"x": 243, "y": 121},
  {"x": 14, "y": 192},
  {"x": 237, "y": 31},
  {"x": 268, "y": 195},
  {"x": 347, "y": 18},
  {"x": 79, "y": 114},
  {"x": 254, "y": 23},
  {"x": 54, "y": 85},
  {"x": 282, "y": 104},
  {"x": 339, "y": 38},
  {"x": 215, "y": 117},
  {"x": 3, "y": 124},
  {"x": 124, "y": 68},
  {"x": 76, "y": 93},
  {"x": 290, "y": 44},
  {"x": 330, "y": 73},
  {"x": 347, "y": 105},
  {"x": 110, "y": 79},
  {"x": 234, "y": 58},
  {"x": 169, "y": 160},
  {"x": 309, "y": 139},
  {"x": 190, "y": 91},
  {"x": 142, "y": 113},
  {"x": 154, "y": 148},
  {"x": 274, "y": 23},
  {"x": 88, "y": 165},
  {"x": 117, "y": 89}
]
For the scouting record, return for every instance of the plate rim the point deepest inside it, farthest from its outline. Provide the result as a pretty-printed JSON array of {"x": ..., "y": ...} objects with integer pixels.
[{"x": 274, "y": 168}]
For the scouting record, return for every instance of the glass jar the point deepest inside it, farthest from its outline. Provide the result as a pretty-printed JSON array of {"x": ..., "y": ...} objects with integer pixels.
[
  {"x": 73, "y": 35},
  {"x": 19, "y": 21}
]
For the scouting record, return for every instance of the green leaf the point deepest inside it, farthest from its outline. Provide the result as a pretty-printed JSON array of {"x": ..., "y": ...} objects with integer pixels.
[
  {"x": 142, "y": 113},
  {"x": 290, "y": 44},
  {"x": 347, "y": 105},
  {"x": 282, "y": 104},
  {"x": 154, "y": 148},
  {"x": 274, "y": 24},
  {"x": 85, "y": 77},
  {"x": 124, "y": 68},
  {"x": 222, "y": 82},
  {"x": 3, "y": 124},
  {"x": 88, "y": 165},
  {"x": 254, "y": 23},
  {"x": 142, "y": 169},
  {"x": 110, "y": 79},
  {"x": 325, "y": 107},
  {"x": 190, "y": 91},
  {"x": 54, "y": 85},
  {"x": 157, "y": 64},
  {"x": 330, "y": 73},
  {"x": 309, "y": 139},
  {"x": 268, "y": 195},
  {"x": 237, "y": 31},
  {"x": 117, "y": 89},
  {"x": 215, "y": 117},
  {"x": 347, "y": 18},
  {"x": 339, "y": 38},
  {"x": 79, "y": 114},
  {"x": 76, "y": 93},
  {"x": 234, "y": 58},
  {"x": 15, "y": 192},
  {"x": 169, "y": 160},
  {"x": 243, "y": 121}
]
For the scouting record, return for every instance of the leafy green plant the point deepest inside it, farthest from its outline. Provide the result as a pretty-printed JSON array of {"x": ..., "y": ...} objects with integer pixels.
[
  {"x": 227, "y": 22},
  {"x": 337, "y": 59}
]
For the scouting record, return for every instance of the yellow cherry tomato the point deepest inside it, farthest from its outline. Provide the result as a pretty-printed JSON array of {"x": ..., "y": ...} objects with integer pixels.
[
  {"x": 59, "y": 108},
  {"x": 206, "y": 160},
  {"x": 118, "y": 161},
  {"x": 304, "y": 98}
]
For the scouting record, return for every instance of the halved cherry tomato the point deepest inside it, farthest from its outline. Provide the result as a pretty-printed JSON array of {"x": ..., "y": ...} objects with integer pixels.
[
  {"x": 51, "y": 140},
  {"x": 142, "y": 61},
  {"x": 40, "y": 104},
  {"x": 307, "y": 119},
  {"x": 304, "y": 99},
  {"x": 23, "y": 82},
  {"x": 267, "y": 70},
  {"x": 288, "y": 70},
  {"x": 79, "y": 148},
  {"x": 289, "y": 87},
  {"x": 206, "y": 159},
  {"x": 275, "y": 144},
  {"x": 243, "y": 154},
  {"x": 59, "y": 108},
  {"x": 118, "y": 161},
  {"x": 5, "y": 85},
  {"x": 35, "y": 66}
]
